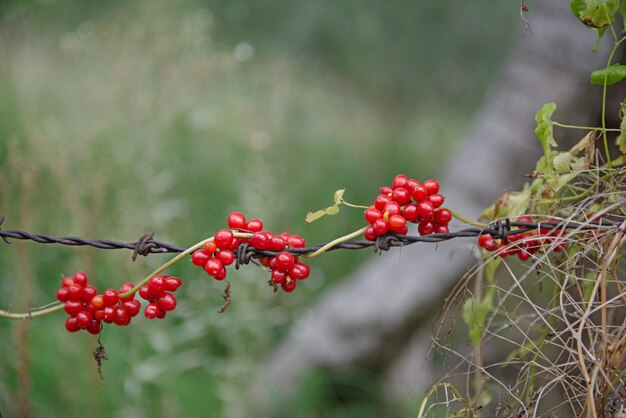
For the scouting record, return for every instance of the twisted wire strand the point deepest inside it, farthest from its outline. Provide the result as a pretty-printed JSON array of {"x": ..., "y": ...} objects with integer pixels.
[{"x": 146, "y": 244}]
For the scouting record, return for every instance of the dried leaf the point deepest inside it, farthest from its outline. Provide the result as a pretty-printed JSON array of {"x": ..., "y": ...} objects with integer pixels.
[
  {"x": 314, "y": 216},
  {"x": 338, "y": 198}
]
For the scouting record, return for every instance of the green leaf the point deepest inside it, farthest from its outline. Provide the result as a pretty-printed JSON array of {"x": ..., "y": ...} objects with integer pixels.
[
  {"x": 475, "y": 313},
  {"x": 622, "y": 10},
  {"x": 314, "y": 216},
  {"x": 339, "y": 196},
  {"x": 562, "y": 162},
  {"x": 613, "y": 75},
  {"x": 544, "y": 130},
  {"x": 621, "y": 139},
  {"x": 596, "y": 14}
]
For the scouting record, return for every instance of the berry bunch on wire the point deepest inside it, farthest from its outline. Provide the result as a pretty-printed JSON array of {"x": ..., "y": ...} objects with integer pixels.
[
  {"x": 87, "y": 309},
  {"x": 218, "y": 254},
  {"x": 407, "y": 200}
]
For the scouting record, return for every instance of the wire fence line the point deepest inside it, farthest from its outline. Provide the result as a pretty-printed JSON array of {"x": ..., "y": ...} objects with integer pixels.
[{"x": 146, "y": 244}]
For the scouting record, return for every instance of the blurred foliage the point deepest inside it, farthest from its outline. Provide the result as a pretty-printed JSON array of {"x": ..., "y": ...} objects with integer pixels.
[{"x": 119, "y": 118}]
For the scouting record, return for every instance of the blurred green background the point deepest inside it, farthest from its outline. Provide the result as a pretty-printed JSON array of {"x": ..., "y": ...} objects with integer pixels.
[{"x": 118, "y": 118}]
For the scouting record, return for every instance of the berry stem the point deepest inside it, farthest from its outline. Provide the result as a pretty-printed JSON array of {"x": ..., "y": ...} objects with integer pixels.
[
  {"x": 56, "y": 306},
  {"x": 467, "y": 221},
  {"x": 343, "y": 202},
  {"x": 336, "y": 242},
  {"x": 584, "y": 128}
]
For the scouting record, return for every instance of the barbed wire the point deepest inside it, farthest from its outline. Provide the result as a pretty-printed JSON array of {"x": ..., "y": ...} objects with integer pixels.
[{"x": 146, "y": 244}]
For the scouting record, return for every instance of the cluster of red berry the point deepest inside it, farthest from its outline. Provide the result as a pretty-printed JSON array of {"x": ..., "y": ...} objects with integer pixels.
[
  {"x": 157, "y": 293},
  {"x": 407, "y": 200},
  {"x": 524, "y": 244},
  {"x": 87, "y": 309},
  {"x": 218, "y": 254}
]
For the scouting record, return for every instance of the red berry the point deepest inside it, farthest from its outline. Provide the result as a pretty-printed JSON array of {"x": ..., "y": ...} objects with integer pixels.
[
  {"x": 425, "y": 210},
  {"x": 167, "y": 302},
  {"x": 371, "y": 214},
  {"x": 151, "y": 311},
  {"x": 296, "y": 241},
  {"x": 72, "y": 307},
  {"x": 132, "y": 307},
  {"x": 441, "y": 229},
  {"x": 288, "y": 285},
  {"x": 431, "y": 186},
  {"x": 110, "y": 297},
  {"x": 278, "y": 276},
  {"x": 426, "y": 228},
  {"x": 235, "y": 244},
  {"x": 223, "y": 238},
  {"x": 396, "y": 223},
  {"x": 442, "y": 216},
  {"x": 525, "y": 219},
  {"x": 386, "y": 190},
  {"x": 482, "y": 239},
  {"x": 71, "y": 324},
  {"x": 157, "y": 285},
  {"x": 161, "y": 314},
  {"x": 299, "y": 271},
  {"x": 236, "y": 220},
  {"x": 404, "y": 230},
  {"x": 80, "y": 279},
  {"x": 210, "y": 247},
  {"x": 277, "y": 244},
  {"x": 63, "y": 294},
  {"x": 120, "y": 316},
  {"x": 491, "y": 245},
  {"x": 226, "y": 257},
  {"x": 436, "y": 199},
  {"x": 83, "y": 319},
  {"x": 369, "y": 234},
  {"x": 97, "y": 302},
  {"x": 391, "y": 208},
  {"x": 260, "y": 241},
  {"x": 419, "y": 194},
  {"x": 144, "y": 292},
  {"x": 221, "y": 275},
  {"x": 127, "y": 287},
  {"x": 67, "y": 282},
  {"x": 255, "y": 225},
  {"x": 523, "y": 255},
  {"x": 99, "y": 315},
  {"x": 272, "y": 264},
  {"x": 410, "y": 212},
  {"x": 199, "y": 258},
  {"x": 75, "y": 292},
  {"x": 89, "y": 292},
  {"x": 172, "y": 283},
  {"x": 109, "y": 313},
  {"x": 411, "y": 185},
  {"x": 380, "y": 201},
  {"x": 399, "y": 181},
  {"x": 284, "y": 261},
  {"x": 213, "y": 267},
  {"x": 95, "y": 327},
  {"x": 380, "y": 227},
  {"x": 401, "y": 195}
]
